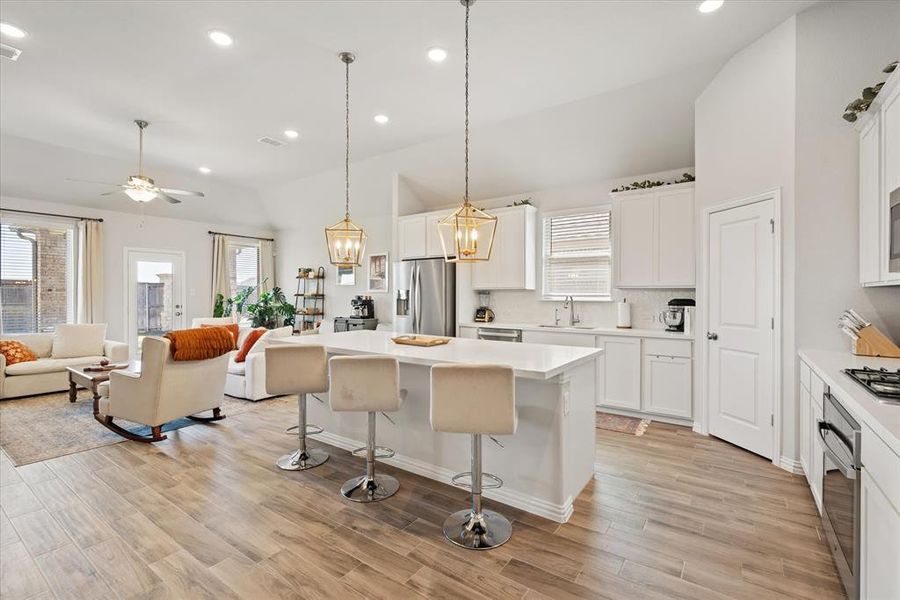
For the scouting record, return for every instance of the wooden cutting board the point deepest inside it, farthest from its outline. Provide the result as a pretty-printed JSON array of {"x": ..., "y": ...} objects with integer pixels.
[{"x": 425, "y": 341}]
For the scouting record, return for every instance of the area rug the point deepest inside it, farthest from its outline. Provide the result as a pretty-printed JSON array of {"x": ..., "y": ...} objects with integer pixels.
[
  {"x": 38, "y": 428},
  {"x": 630, "y": 425}
]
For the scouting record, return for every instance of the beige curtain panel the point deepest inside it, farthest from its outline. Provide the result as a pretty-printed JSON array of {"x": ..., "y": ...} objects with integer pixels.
[
  {"x": 89, "y": 270},
  {"x": 219, "y": 269},
  {"x": 267, "y": 263}
]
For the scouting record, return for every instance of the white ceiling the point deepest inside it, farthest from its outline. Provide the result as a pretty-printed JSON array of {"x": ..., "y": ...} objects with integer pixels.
[{"x": 89, "y": 68}]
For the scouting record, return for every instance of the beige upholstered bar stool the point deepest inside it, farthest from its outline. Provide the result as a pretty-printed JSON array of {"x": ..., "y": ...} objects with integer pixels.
[
  {"x": 301, "y": 370},
  {"x": 478, "y": 400},
  {"x": 367, "y": 384}
]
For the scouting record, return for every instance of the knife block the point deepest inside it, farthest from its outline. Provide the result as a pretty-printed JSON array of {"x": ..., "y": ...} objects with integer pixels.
[{"x": 872, "y": 342}]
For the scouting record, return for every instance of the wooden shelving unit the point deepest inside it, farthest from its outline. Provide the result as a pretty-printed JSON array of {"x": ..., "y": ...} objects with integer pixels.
[{"x": 309, "y": 301}]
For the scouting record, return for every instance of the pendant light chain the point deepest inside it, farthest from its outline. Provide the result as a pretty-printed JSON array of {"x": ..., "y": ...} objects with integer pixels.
[
  {"x": 466, "y": 196},
  {"x": 347, "y": 140}
]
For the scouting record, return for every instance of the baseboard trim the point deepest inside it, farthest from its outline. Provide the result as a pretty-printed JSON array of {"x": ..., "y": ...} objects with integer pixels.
[
  {"x": 559, "y": 513},
  {"x": 790, "y": 465},
  {"x": 645, "y": 415}
]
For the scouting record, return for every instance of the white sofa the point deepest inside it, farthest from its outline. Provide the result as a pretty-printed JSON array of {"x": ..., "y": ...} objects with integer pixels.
[
  {"x": 164, "y": 390},
  {"x": 48, "y": 374},
  {"x": 246, "y": 380}
]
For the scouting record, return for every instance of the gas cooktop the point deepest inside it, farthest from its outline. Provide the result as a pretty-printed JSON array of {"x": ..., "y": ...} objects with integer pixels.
[{"x": 884, "y": 384}]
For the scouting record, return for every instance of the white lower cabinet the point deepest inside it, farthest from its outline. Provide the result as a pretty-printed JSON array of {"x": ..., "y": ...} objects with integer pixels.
[
  {"x": 816, "y": 453},
  {"x": 619, "y": 372},
  {"x": 879, "y": 575},
  {"x": 468, "y": 332},
  {"x": 666, "y": 386},
  {"x": 804, "y": 429},
  {"x": 559, "y": 338}
]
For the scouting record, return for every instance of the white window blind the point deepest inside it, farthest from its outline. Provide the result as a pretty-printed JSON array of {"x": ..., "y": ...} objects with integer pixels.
[
  {"x": 243, "y": 267},
  {"x": 36, "y": 275},
  {"x": 576, "y": 255}
]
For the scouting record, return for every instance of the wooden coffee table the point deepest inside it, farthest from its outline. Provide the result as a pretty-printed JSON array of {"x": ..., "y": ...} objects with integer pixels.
[{"x": 91, "y": 380}]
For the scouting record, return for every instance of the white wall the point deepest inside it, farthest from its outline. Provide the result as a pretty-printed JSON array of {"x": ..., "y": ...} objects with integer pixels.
[
  {"x": 841, "y": 48},
  {"x": 121, "y": 230},
  {"x": 744, "y": 145}
]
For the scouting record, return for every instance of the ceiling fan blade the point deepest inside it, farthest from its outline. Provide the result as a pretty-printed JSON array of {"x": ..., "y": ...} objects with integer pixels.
[
  {"x": 182, "y": 192},
  {"x": 167, "y": 198},
  {"x": 95, "y": 182}
]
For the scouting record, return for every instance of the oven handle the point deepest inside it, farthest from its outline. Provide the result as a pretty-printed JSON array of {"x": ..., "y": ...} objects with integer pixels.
[{"x": 848, "y": 471}]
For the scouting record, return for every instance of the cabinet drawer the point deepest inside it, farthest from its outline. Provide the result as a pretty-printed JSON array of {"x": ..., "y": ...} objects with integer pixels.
[
  {"x": 882, "y": 465},
  {"x": 559, "y": 338},
  {"x": 804, "y": 375},
  {"x": 659, "y": 347}
]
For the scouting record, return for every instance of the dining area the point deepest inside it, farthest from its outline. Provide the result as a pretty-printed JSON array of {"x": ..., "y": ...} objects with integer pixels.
[{"x": 449, "y": 413}]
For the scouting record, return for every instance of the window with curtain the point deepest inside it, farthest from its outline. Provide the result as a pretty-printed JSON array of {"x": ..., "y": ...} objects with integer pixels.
[
  {"x": 37, "y": 274},
  {"x": 577, "y": 255},
  {"x": 243, "y": 267}
]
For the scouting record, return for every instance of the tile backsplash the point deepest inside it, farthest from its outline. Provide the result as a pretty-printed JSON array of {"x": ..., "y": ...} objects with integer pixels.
[{"x": 526, "y": 307}]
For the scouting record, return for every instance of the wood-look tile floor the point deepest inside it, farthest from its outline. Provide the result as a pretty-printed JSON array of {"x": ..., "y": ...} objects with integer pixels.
[{"x": 206, "y": 515}]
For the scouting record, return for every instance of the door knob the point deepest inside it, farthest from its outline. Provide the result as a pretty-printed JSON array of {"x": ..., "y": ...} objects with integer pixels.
[
  {"x": 712, "y": 335},
  {"x": 177, "y": 313}
]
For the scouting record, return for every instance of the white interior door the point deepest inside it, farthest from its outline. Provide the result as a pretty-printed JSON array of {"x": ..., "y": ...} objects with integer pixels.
[
  {"x": 740, "y": 338},
  {"x": 154, "y": 294}
]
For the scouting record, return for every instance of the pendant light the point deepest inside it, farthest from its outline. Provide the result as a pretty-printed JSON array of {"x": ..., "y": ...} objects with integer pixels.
[
  {"x": 467, "y": 235},
  {"x": 346, "y": 240}
]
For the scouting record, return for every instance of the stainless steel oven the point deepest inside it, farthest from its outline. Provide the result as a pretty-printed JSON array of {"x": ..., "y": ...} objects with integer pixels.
[
  {"x": 840, "y": 435},
  {"x": 894, "y": 232}
]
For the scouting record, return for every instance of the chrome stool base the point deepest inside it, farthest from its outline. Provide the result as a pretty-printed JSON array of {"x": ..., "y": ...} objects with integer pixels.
[
  {"x": 302, "y": 460},
  {"x": 370, "y": 489},
  {"x": 489, "y": 530}
]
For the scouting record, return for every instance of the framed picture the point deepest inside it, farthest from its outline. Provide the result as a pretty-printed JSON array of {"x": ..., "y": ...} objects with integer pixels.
[
  {"x": 378, "y": 273},
  {"x": 346, "y": 275}
]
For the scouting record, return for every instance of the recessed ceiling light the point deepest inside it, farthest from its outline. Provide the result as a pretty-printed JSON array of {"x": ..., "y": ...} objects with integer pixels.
[
  {"x": 205, "y": 170},
  {"x": 708, "y": 6},
  {"x": 381, "y": 119},
  {"x": 220, "y": 37},
  {"x": 436, "y": 54},
  {"x": 291, "y": 134},
  {"x": 11, "y": 30}
]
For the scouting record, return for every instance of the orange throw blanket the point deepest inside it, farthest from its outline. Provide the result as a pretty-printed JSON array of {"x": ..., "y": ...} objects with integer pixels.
[{"x": 200, "y": 343}]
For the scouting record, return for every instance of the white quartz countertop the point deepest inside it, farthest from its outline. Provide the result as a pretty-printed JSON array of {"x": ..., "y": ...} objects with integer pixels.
[
  {"x": 883, "y": 419},
  {"x": 587, "y": 330},
  {"x": 531, "y": 361}
]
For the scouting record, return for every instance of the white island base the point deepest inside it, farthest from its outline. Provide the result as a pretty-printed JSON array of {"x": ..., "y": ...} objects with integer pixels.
[{"x": 544, "y": 465}]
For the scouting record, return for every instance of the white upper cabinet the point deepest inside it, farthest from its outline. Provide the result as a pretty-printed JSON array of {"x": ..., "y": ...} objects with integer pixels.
[
  {"x": 512, "y": 262},
  {"x": 879, "y": 175},
  {"x": 412, "y": 239},
  {"x": 653, "y": 237},
  {"x": 433, "y": 246}
]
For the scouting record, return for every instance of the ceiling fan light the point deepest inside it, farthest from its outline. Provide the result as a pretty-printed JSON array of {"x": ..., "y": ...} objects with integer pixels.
[{"x": 140, "y": 194}]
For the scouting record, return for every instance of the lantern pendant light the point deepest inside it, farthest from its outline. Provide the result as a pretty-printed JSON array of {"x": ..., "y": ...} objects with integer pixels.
[
  {"x": 467, "y": 235},
  {"x": 346, "y": 240}
]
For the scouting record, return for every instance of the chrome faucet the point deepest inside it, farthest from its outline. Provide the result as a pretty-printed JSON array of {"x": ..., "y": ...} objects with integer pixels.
[{"x": 570, "y": 304}]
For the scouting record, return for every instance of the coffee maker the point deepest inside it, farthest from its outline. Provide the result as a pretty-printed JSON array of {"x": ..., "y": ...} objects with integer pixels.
[
  {"x": 674, "y": 315},
  {"x": 363, "y": 307}
]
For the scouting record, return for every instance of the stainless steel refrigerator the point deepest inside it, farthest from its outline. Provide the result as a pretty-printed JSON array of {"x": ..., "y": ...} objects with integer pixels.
[{"x": 425, "y": 297}]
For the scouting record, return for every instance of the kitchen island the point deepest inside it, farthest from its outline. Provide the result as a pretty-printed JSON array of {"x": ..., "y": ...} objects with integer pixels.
[{"x": 544, "y": 465}]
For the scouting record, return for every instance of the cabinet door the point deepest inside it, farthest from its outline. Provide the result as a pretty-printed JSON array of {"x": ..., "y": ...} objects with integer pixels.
[
  {"x": 879, "y": 576},
  {"x": 816, "y": 454},
  {"x": 890, "y": 120},
  {"x": 674, "y": 251},
  {"x": 870, "y": 254},
  {"x": 805, "y": 429},
  {"x": 633, "y": 243},
  {"x": 433, "y": 246},
  {"x": 512, "y": 255},
  {"x": 468, "y": 332},
  {"x": 667, "y": 385},
  {"x": 619, "y": 372},
  {"x": 412, "y": 236},
  {"x": 558, "y": 338}
]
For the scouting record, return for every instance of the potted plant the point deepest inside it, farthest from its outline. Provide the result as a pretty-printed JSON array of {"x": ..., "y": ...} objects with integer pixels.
[{"x": 271, "y": 310}]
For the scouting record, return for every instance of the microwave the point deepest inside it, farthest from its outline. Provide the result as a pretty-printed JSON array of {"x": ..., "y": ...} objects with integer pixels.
[{"x": 894, "y": 232}]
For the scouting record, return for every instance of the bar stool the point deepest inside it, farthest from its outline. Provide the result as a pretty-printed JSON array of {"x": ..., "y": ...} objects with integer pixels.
[
  {"x": 370, "y": 384},
  {"x": 475, "y": 399},
  {"x": 301, "y": 370}
]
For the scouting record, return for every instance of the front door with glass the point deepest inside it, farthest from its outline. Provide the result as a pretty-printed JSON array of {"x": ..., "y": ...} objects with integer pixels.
[{"x": 154, "y": 294}]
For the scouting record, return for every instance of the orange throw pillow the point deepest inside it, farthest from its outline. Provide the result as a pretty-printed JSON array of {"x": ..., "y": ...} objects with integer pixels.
[
  {"x": 200, "y": 343},
  {"x": 16, "y": 352},
  {"x": 233, "y": 328},
  {"x": 252, "y": 338}
]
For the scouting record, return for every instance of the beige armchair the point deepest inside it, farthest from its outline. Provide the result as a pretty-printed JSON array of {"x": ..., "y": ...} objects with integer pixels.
[{"x": 163, "y": 391}]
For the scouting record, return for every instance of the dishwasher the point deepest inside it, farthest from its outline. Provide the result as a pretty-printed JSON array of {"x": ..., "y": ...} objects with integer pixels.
[{"x": 499, "y": 335}]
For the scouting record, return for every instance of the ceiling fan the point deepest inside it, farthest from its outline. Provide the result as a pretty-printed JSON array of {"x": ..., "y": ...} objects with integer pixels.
[{"x": 141, "y": 188}]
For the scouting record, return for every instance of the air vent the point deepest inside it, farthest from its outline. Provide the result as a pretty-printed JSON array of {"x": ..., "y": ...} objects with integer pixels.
[
  {"x": 270, "y": 141},
  {"x": 9, "y": 52}
]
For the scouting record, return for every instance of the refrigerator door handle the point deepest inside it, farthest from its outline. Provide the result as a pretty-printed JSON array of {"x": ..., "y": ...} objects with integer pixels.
[
  {"x": 418, "y": 321},
  {"x": 411, "y": 284}
]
